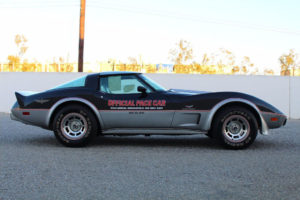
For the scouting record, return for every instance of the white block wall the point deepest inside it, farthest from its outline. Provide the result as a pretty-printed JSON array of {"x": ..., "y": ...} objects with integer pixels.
[{"x": 282, "y": 92}]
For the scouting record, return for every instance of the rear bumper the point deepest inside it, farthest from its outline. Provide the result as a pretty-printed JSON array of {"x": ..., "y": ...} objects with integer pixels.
[
  {"x": 35, "y": 117},
  {"x": 13, "y": 117}
]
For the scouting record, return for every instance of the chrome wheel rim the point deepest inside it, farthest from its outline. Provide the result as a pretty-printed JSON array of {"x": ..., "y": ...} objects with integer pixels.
[
  {"x": 73, "y": 126},
  {"x": 236, "y": 128}
]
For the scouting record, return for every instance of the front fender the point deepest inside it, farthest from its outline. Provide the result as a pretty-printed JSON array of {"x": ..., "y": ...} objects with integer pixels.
[{"x": 210, "y": 115}]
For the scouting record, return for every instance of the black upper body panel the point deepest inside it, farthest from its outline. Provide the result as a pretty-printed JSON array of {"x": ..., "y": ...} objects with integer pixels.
[{"x": 175, "y": 99}]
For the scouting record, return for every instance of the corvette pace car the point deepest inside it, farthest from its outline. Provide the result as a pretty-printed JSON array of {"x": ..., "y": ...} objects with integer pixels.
[{"x": 129, "y": 103}]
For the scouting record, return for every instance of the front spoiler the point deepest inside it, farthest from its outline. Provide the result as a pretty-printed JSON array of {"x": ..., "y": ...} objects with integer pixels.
[{"x": 273, "y": 120}]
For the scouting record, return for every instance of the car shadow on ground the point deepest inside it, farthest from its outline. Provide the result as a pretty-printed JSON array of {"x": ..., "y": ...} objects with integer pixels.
[
  {"x": 156, "y": 141},
  {"x": 49, "y": 140},
  {"x": 199, "y": 141}
]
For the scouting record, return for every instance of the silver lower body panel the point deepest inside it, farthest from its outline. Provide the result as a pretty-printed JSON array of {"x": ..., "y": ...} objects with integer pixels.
[
  {"x": 123, "y": 131},
  {"x": 35, "y": 117}
]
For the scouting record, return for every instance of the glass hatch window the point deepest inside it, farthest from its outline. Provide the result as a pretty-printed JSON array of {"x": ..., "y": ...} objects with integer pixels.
[
  {"x": 153, "y": 84},
  {"x": 79, "y": 82}
]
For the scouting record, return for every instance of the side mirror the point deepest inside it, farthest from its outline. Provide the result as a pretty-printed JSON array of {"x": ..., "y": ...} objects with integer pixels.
[{"x": 141, "y": 89}]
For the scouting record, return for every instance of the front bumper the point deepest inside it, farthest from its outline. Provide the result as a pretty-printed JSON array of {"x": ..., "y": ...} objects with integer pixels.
[{"x": 274, "y": 120}]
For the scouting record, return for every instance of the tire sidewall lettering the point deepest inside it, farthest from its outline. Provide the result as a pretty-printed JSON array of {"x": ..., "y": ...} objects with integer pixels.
[
  {"x": 244, "y": 113},
  {"x": 87, "y": 135}
]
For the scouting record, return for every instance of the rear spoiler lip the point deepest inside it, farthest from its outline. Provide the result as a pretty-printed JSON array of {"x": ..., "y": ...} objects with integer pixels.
[{"x": 22, "y": 96}]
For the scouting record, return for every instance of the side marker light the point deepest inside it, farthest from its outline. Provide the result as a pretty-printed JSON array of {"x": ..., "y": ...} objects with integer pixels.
[
  {"x": 26, "y": 113},
  {"x": 274, "y": 119}
]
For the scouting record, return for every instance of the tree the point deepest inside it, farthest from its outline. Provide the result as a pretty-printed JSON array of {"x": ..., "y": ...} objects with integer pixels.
[
  {"x": 247, "y": 67},
  {"x": 205, "y": 59},
  {"x": 226, "y": 60},
  {"x": 21, "y": 42},
  {"x": 181, "y": 55},
  {"x": 132, "y": 60},
  {"x": 235, "y": 69},
  {"x": 268, "y": 71},
  {"x": 15, "y": 60},
  {"x": 288, "y": 62},
  {"x": 132, "y": 64}
]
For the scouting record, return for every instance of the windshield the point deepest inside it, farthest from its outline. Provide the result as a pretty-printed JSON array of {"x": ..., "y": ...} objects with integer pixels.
[
  {"x": 152, "y": 83},
  {"x": 79, "y": 82}
]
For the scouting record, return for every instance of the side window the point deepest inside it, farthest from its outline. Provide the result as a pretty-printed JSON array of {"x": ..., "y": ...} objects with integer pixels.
[{"x": 122, "y": 84}]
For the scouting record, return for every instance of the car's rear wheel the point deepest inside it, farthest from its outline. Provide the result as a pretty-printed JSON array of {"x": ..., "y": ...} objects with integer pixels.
[
  {"x": 74, "y": 125},
  {"x": 235, "y": 127}
]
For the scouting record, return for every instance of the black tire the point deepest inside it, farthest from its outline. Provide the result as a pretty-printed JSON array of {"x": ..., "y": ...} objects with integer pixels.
[
  {"x": 74, "y": 125},
  {"x": 209, "y": 134},
  {"x": 235, "y": 127}
]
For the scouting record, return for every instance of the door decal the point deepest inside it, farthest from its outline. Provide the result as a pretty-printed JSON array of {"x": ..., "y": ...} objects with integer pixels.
[{"x": 136, "y": 104}]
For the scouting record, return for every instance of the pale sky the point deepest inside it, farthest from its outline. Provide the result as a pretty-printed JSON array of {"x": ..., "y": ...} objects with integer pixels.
[{"x": 262, "y": 30}]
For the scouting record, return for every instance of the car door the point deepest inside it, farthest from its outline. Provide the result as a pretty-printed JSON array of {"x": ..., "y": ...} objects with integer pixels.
[{"x": 123, "y": 106}]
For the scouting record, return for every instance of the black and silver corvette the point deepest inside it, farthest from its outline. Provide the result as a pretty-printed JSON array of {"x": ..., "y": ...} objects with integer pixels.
[{"x": 129, "y": 103}]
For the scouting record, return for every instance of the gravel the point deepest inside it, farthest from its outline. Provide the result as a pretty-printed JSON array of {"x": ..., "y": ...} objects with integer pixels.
[{"x": 33, "y": 165}]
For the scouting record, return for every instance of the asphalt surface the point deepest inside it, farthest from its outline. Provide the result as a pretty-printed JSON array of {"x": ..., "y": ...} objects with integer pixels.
[{"x": 33, "y": 165}]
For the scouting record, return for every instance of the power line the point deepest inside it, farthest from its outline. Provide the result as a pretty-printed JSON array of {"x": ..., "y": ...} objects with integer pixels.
[
  {"x": 38, "y": 4},
  {"x": 161, "y": 13},
  {"x": 202, "y": 20}
]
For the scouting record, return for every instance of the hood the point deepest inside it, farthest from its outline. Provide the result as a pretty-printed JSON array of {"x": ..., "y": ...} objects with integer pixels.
[{"x": 187, "y": 92}]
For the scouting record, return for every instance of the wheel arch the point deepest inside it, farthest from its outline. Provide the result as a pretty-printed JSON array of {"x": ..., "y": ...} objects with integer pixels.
[
  {"x": 68, "y": 101},
  {"x": 236, "y": 102}
]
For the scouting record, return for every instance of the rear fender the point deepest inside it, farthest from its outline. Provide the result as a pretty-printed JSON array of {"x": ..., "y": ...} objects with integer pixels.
[
  {"x": 74, "y": 99},
  {"x": 22, "y": 96}
]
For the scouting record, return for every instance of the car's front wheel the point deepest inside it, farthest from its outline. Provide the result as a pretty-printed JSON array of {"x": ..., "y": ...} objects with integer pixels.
[
  {"x": 74, "y": 125},
  {"x": 235, "y": 127}
]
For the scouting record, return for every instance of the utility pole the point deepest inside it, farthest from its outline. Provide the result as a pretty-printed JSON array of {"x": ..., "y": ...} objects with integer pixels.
[{"x": 81, "y": 35}]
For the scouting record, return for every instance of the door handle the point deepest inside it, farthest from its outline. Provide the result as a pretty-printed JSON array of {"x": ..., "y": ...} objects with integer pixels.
[{"x": 99, "y": 96}]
